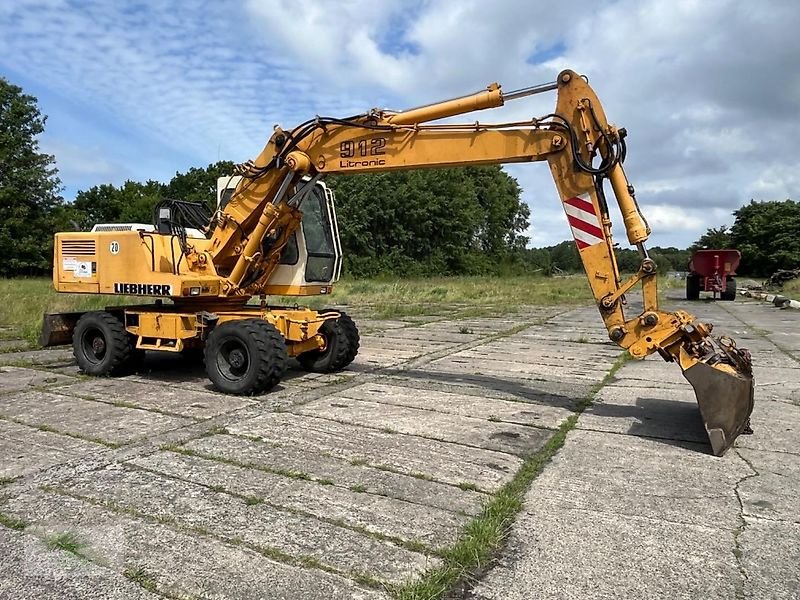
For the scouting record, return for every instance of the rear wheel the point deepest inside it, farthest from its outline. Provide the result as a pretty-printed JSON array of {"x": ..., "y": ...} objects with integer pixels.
[
  {"x": 692, "y": 287},
  {"x": 341, "y": 346},
  {"x": 102, "y": 346},
  {"x": 730, "y": 290},
  {"x": 353, "y": 338},
  {"x": 245, "y": 357}
]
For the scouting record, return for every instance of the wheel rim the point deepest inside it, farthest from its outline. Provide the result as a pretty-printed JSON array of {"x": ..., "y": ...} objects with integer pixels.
[
  {"x": 233, "y": 360},
  {"x": 94, "y": 345}
]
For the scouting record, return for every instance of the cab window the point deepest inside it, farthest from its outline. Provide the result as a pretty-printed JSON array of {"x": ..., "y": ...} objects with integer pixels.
[{"x": 319, "y": 241}]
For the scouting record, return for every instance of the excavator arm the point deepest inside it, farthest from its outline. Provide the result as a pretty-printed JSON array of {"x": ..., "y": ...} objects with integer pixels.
[{"x": 582, "y": 150}]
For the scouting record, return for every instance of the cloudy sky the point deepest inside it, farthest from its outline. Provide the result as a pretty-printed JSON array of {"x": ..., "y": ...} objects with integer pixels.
[{"x": 709, "y": 90}]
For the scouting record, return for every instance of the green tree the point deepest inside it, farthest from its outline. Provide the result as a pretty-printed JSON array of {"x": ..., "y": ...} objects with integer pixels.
[
  {"x": 29, "y": 186},
  {"x": 768, "y": 236},
  {"x": 460, "y": 220},
  {"x": 99, "y": 204},
  {"x": 505, "y": 216},
  {"x": 133, "y": 202},
  {"x": 678, "y": 259},
  {"x": 628, "y": 260},
  {"x": 715, "y": 238},
  {"x": 565, "y": 257},
  {"x": 199, "y": 185}
]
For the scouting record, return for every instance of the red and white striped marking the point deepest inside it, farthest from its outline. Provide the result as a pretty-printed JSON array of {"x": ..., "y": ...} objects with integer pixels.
[{"x": 584, "y": 221}]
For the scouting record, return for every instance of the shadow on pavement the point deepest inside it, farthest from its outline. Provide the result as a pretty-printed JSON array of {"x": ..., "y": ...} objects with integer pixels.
[
  {"x": 530, "y": 392},
  {"x": 672, "y": 422}
]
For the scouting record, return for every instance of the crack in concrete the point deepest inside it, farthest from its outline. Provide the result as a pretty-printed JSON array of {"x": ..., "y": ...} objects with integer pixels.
[{"x": 738, "y": 553}]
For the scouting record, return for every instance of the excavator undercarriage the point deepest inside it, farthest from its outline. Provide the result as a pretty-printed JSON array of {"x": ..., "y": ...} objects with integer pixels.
[{"x": 276, "y": 234}]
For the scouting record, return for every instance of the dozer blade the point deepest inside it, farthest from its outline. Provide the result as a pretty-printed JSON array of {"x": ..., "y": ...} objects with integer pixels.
[{"x": 725, "y": 397}]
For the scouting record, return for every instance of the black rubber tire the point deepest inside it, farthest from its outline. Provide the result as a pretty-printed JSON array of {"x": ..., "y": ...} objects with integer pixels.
[
  {"x": 245, "y": 357},
  {"x": 102, "y": 346},
  {"x": 353, "y": 338},
  {"x": 692, "y": 287},
  {"x": 341, "y": 346},
  {"x": 730, "y": 290}
]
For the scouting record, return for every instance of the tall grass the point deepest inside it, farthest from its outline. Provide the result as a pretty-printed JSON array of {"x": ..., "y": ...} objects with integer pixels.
[
  {"x": 24, "y": 301},
  {"x": 474, "y": 295},
  {"x": 792, "y": 289}
]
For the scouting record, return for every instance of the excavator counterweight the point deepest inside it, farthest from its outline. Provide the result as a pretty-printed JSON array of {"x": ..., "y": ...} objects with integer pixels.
[{"x": 276, "y": 234}]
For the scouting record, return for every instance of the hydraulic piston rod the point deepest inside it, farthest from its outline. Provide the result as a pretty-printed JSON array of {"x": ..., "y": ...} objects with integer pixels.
[{"x": 530, "y": 91}]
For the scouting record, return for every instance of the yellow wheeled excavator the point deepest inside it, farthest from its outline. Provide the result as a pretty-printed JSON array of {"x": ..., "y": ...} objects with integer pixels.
[{"x": 276, "y": 234}]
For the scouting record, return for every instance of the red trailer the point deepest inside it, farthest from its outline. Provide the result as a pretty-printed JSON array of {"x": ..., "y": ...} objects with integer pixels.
[{"x": 712, "y": 271}]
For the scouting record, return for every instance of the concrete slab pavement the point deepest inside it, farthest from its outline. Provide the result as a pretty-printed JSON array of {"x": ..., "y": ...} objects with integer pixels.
[
  {"x": 330, "y": 486},
  {"x": 635, "y": 506},
  {"x": 349, "y": 485}
]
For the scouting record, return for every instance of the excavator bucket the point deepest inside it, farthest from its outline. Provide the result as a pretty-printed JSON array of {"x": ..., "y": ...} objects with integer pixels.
[{"x": 723, "y": 385}]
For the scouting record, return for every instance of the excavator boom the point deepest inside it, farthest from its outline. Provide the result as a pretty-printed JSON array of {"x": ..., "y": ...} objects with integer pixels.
[
  {"x": 256, "y": 235},
  {"x": 583, "y": 152}
]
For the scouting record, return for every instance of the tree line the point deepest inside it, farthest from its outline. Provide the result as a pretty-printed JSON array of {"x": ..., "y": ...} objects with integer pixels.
[
  {"x": 766, "y": 233},
  {"x": 468, "y": 220}
]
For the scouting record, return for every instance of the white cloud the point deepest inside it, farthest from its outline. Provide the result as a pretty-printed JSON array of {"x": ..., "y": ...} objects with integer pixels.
[
  {"x": 83, "y": 163},
  {"x": 674, "y": 218}
]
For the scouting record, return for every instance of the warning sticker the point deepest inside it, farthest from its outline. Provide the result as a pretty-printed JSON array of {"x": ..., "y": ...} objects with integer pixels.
[
  {"x": 83, "y": 269},
  {"x": 69, "y": 264}
]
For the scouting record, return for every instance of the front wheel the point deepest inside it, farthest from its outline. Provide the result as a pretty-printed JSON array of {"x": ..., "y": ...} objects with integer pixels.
[
  {"x": 341, "y": 346},
  {"x": 245, "y": 357}
]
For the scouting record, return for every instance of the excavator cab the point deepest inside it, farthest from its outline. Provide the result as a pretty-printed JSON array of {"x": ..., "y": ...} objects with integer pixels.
[{"x": 311, "y": 261}]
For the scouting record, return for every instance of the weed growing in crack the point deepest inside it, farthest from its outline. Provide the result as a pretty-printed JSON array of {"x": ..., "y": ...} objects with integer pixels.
[
  {"x": 139, "y": 576},
  {"x": 67, "y": 541},
  {"x": 483, "y": 536},
  {"x": 12, "y": 522},
  {"x": 468, "y": 486}
]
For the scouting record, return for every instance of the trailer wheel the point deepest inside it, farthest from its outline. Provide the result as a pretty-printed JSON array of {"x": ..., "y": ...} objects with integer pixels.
[
  {"x": 730, "y": 290},
  {"x": 341, "y": 346},
  {"x": 102, "y": 346},
  {"x": 692, "y": 287},
  {"x": 245, "y": 357}
]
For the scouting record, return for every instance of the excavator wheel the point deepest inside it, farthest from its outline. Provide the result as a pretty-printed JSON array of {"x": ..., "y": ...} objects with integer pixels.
[
  {"x": 245, "y": 357},
  {"x": 730, "y": 290},
  {"x": 353, "y": 338},
  {"x": 341, "y": 346},
  {"x": 103, "y": 347}
]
